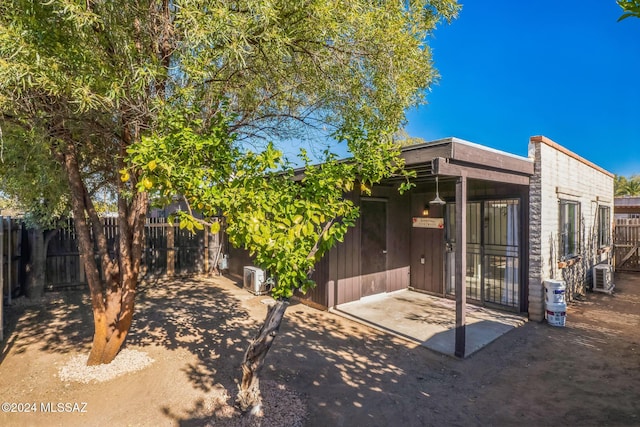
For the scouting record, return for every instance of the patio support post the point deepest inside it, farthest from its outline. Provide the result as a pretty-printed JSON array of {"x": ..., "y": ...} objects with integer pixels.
[{"x": 461, "y": 263}]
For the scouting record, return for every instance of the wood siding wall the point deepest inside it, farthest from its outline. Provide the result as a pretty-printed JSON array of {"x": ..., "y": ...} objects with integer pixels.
[
  {"x": 338, "y": 275},
  {"x": 346, "y": 268}
]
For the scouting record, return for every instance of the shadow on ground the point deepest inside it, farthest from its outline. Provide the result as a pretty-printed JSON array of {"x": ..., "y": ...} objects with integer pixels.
[
  {"x": 584, "y": 374},
  {"x": 195, "y": 315},
  {"x": 182, "y": 313},
  {"x": 60, "y": 322}
]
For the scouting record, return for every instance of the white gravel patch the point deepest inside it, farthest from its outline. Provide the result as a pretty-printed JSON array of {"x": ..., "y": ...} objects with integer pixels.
[{"x": 126, "y": 361}]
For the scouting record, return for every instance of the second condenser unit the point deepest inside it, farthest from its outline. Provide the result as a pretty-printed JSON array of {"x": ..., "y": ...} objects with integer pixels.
[{"x": 256, "y": 282}]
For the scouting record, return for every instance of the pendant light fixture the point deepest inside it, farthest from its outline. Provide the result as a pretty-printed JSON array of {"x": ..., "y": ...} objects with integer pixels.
[{"x": 437, "y": 200}]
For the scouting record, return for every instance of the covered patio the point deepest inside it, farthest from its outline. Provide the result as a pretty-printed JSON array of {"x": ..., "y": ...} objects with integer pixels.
[
  {"x": 461, "y": 234},
  {"x": 430, "y": 321}
]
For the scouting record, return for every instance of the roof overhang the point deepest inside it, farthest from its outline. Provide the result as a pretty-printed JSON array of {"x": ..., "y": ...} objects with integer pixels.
[{"x": 454, "y": 157}]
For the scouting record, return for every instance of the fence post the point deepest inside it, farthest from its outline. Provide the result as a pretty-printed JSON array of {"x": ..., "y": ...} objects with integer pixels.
[
  {"x": 205, "y": 252},
  {"x": 9, "y": 260},
  {"x": 171, "y": 255},
  {"x": 1, "y": 278}
]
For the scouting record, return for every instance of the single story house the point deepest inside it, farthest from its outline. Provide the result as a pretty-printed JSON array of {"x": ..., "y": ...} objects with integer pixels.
[{"x": 525, "y": 219}]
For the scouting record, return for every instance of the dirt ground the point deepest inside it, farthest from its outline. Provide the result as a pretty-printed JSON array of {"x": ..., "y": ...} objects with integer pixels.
[{"x": 196, "y": 330}]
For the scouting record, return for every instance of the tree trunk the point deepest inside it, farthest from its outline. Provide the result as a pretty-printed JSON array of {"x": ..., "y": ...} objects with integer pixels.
[
  {"x": 114, "y": 317},
  {"x": 249, "y": 398},
  {"x": 86, "y": 245},
  {"x": 113, "y": 293}
]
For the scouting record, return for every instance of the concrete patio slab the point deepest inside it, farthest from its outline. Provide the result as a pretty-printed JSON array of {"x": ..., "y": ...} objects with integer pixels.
[{"x": 428, "y": 320}]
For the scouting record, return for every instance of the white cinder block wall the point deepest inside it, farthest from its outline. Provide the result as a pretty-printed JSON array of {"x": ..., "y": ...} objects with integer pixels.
[{"x": 561, "y": 174}]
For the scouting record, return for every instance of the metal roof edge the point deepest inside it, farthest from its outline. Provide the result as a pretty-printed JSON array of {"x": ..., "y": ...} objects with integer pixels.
[
  {"x": 490, "y": 149},
  {"x": 435, "y": 142},
  {"x": 453, "y": 139}
]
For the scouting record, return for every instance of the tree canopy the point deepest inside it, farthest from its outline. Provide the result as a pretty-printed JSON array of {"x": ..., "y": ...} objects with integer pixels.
[
  {"x": 630, "y": 8},
  {"x": 167, "y": 96},
  {"x": 279, "y": 70},
  {"x": 36, "y": 186},
  {"x": 346, "y": 71}
]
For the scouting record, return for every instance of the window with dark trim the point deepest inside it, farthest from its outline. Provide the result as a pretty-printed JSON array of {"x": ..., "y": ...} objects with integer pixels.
[
  {"x": 604, "y": 226},
  {"x": 569, "y": 229}
]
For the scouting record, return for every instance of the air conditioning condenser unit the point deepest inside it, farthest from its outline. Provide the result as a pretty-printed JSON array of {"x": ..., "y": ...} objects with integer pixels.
[
  {"x": 603, "y": 278},
  {"x": 256, "y": 281}
]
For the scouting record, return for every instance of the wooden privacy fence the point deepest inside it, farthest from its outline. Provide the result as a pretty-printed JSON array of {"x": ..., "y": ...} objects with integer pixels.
[
  {"x": 627, "y": 244},
  {"x": 9, "y": 262},
  {"x": 168, "y": 250}
]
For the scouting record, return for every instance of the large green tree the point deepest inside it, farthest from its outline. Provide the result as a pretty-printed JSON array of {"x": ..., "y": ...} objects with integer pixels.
[
  {"x": 91, "y": 78},
  {"x": 80, "y": 79},
  {"x": 287, "y": 219},
  {"x": 630, "y": 8}
]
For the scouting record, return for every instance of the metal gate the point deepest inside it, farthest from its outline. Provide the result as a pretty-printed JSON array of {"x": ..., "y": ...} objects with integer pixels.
[
  {"x": 627, "y": 244},
  {"x": 493, "y": 252}
]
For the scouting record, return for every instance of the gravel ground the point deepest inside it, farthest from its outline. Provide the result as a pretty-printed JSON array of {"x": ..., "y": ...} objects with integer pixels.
[
  {"x": 126, "y": 361},
  {"x": 282, "y": 406}
]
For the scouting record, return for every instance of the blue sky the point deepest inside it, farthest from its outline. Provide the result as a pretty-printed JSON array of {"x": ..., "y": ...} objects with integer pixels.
[{"x": 560, "y": 68}]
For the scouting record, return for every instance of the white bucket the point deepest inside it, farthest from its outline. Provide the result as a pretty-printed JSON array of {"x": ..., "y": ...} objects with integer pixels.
[
  {"x": 556, "y": 314},
  {"x": 554, "y": 291}
]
